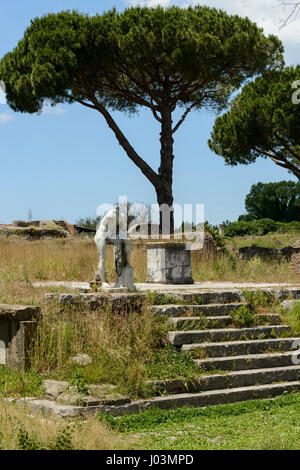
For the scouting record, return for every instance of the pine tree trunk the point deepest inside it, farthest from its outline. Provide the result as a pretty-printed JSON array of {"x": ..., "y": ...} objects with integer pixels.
[{"x": 164, "y": 186}]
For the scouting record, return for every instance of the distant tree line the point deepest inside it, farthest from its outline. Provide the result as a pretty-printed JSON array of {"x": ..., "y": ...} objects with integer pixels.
[
  {"x": 271, "y": 207},
  {"x": 277, "y": 201}
]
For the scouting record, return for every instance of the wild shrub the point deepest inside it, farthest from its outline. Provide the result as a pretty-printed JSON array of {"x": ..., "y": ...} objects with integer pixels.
[{"x": 243, "y": 317}]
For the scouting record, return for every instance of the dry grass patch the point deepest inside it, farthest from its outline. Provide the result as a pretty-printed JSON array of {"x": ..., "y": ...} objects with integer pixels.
[
  {"x": 232, "y": 268},
  {"x": 21, "y": 430},
  {"x": 77, "y": 260}
]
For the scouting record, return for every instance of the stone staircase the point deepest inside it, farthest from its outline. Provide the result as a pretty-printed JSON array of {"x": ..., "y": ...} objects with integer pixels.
[
  {"x": 241, "y": 363},
  {"x": 235, "y": 364}
]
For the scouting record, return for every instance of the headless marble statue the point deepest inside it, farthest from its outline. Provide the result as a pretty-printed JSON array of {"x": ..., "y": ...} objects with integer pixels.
[{"x": 113, "y": 227}]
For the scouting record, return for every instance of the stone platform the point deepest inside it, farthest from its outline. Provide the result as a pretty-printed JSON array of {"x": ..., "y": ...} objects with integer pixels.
[
  {"x": 189, "y": 288},
  {"x": 236, "y": 362}
]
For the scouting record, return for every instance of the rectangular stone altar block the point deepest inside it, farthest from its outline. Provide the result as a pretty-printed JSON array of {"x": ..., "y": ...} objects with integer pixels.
[
  {"x": 169, "y": 263},
  {"x": 17, "y": 330}
]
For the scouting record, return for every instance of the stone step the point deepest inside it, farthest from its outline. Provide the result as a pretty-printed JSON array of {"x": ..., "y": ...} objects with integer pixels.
[
  {"x": 238, "y": 348},
  {"x": 223, "y": 396},
  {"x": 227, "y": 296},
  {"x": 211, "y": 310},
  {"x": 245, "y": 378},
  {"x": 202, "y": 297},
  {"x": 248, "y": 362},
  {"x": 198, "y": 298},
  {"x": 209, "y": 398},
  {"x": 220, "y": 322},
  {"x": 179, "y": 338}
]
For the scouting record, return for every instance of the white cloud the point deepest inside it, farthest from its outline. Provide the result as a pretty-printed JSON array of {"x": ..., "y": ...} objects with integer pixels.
[
  {"x": 58, "y": 109},
  {"x": 150, "y": 3},
  {"x": 5, "y": 118},
  {"x": 268, "y": 14}
]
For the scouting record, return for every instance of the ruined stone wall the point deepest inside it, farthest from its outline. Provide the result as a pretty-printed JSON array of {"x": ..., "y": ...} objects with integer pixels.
[
  {"x": 296, "y": 258},
  {"x": 249, "y": 252}
]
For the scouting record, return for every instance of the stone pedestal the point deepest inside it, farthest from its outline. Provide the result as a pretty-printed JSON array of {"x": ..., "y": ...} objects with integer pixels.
[
  {"x": 17, "y": 329},
  {"x": 126, "y": 280},
  {"x": 169, "y": 263}
]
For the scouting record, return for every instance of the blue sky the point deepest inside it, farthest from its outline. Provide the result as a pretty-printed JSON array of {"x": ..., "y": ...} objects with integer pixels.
[{"x": 65, "y": 162}]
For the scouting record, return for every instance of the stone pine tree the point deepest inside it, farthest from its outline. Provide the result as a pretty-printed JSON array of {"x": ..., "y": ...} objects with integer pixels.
[
  {"x": 263, "y": 121},
  {"x": 155, "y": 58}
]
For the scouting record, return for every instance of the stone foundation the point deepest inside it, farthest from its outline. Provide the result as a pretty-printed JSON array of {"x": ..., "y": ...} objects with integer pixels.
[
  {"x": 250, "y": 252},
  {"x": 17, "y": 329},
  {"x": 118, "y": 303},
  {"x": 169, "y": 263}
]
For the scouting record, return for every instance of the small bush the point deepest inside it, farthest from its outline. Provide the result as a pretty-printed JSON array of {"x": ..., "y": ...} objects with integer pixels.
[
  {"x": 27, "y": 441},
  {"x": 258, "y": 299},
  {"x": 63, "y": 439},
  {"x": 257, "y": 227},
  {"x": 218, "y": 238},
  {"x": 79, "y": 382},
  {"x": 243, "y": 317}
]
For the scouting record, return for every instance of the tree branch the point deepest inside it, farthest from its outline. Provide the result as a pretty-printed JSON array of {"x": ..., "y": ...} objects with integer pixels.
[
  {"x": 143, "y": 85},
  {"x": 280, "y": 161},
  {"x": 150, "y": 174},
  {"x": 287, "y": 166},
  {"x": 155, "y": 113},
  {"x": 187, "y": 111},
  {"x": 295, "y": 9},
  {"x": 287, "y": 147},
  {"x": 131, "y": 96},
  {"x": 84, "y": 103}
]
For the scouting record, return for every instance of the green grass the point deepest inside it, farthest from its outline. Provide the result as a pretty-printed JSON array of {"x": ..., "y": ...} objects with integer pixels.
[
  {"x": 272, "y": 240},
  {"x": 256, "y": 424},
  {"x": 169, "y": 363},
  {"x": 292, "y": 318},
  {"x": 20, "y": 384}
]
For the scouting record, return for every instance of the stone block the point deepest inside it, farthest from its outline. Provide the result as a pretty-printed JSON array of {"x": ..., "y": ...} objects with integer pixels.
[
  {"x": 53, "y": 388},
  {"x": 117, "y": 302},
  {"x": 169, "y": 263},
  {"x": 17, "y": 330},
  {"x": 289, "y": 304}
]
